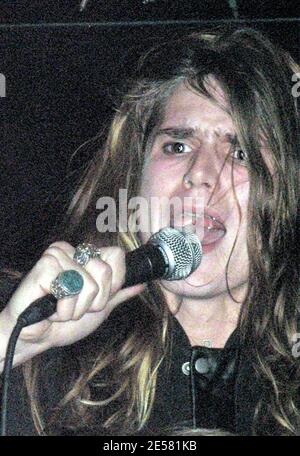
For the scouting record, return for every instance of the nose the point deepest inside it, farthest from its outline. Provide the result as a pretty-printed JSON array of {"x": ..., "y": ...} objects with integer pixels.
[{"x": 204, "y": 170}]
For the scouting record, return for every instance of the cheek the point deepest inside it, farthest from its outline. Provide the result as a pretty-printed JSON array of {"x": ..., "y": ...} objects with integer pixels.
[
  {"x": 239, "y": 220},
  {"x": 159, "y": 178},
  {"x": 240, "y": 195},
  {"x": 243, "y": 195},
  {"x": 159, "y": 181}
]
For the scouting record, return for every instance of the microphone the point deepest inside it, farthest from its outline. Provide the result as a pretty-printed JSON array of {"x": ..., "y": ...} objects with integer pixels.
[{"x": 169, "y": 254}]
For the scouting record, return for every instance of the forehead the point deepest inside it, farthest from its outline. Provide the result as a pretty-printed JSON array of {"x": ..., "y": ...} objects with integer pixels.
[{"x": 188, "y": 109}]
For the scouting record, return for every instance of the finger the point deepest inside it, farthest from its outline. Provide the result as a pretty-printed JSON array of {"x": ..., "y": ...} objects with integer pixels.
[
  {"x": 109, "y": 273},
  {"x": 125, "y": 295},
  {"x": 65, "y": 309},
  {"x": 35, "y": 284},
  {"x": 66, "y": 306},
  {"x": 90, "y": 290},
  {"x": 102, "y": 274},
  {"x": 87, "y": 297},
  {"x": 115, "y": 258},
  {"x": 40, "y": 279},
  {"x": 63, "y": 246}
]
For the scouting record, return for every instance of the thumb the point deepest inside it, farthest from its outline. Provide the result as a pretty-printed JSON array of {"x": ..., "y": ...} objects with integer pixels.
[{"x": 126, "y": 293}]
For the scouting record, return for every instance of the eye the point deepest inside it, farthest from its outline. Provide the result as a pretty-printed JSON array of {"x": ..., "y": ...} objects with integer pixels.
[
  {"x": 176, "y": 148},
  {"x": 241, "y": 156}
]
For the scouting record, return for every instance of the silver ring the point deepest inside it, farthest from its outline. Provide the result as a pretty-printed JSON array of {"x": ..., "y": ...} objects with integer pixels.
[
  {"x": 84, "y": 252},
  {"x": 67, "y": 283}
]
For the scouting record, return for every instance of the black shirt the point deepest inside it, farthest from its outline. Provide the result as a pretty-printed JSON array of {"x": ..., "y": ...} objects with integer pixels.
[{"x": 196, "y": 386}]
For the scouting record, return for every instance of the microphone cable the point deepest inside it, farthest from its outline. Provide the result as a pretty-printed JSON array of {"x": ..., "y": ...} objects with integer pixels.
[
  {"x": 6, "y": 373},
  {"x": 32, "y": 314}
]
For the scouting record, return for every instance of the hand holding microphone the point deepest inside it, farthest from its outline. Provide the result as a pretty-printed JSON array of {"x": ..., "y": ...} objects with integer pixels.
[
  {"x": 70, "y": 318},
  {"x": 108, "y": 278},
  {"x": 85, "y": 287}
]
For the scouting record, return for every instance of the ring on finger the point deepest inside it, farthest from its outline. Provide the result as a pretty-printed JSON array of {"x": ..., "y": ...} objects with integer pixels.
[
  {"x": 67, "y": 283},
  {"x": 84, "y": 252}
]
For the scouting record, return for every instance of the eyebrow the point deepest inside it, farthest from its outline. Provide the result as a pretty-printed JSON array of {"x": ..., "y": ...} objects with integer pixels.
[
  {"x": 179, "y": 133},
  {"x": 183, "y": 133}
]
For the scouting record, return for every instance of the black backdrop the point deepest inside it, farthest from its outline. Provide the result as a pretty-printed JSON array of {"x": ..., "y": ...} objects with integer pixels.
[{"x": 60, "y": 81}]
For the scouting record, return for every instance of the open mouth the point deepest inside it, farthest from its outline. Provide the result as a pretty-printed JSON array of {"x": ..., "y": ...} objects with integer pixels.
[
  {"x": 213, "y": 230},
  {"x": 208, "y": 228}
]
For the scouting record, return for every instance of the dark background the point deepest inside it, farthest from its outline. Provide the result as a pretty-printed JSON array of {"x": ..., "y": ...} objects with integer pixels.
[{"x": 62, "y": 67}]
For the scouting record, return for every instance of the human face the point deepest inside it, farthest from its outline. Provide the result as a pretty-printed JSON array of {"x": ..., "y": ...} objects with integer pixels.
[{"x": 197, "y": 138}]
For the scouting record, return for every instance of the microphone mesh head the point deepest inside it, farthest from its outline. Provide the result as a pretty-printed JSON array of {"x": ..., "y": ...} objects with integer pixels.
[
  {"x": 196, "y": 247},
  {"x": 182, "y": 251}
]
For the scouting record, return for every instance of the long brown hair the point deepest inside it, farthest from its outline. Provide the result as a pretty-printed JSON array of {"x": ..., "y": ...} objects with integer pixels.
[{"x": 256, "y": 77}]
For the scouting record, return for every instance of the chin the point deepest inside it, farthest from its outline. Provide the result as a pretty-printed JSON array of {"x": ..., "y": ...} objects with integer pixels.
[
  {"x": 200, "y": 285},
  {"x": 195, "y": 288}
]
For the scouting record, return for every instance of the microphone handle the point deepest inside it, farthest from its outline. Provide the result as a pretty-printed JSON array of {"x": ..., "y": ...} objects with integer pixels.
[{"x": 142, "y": 265}]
